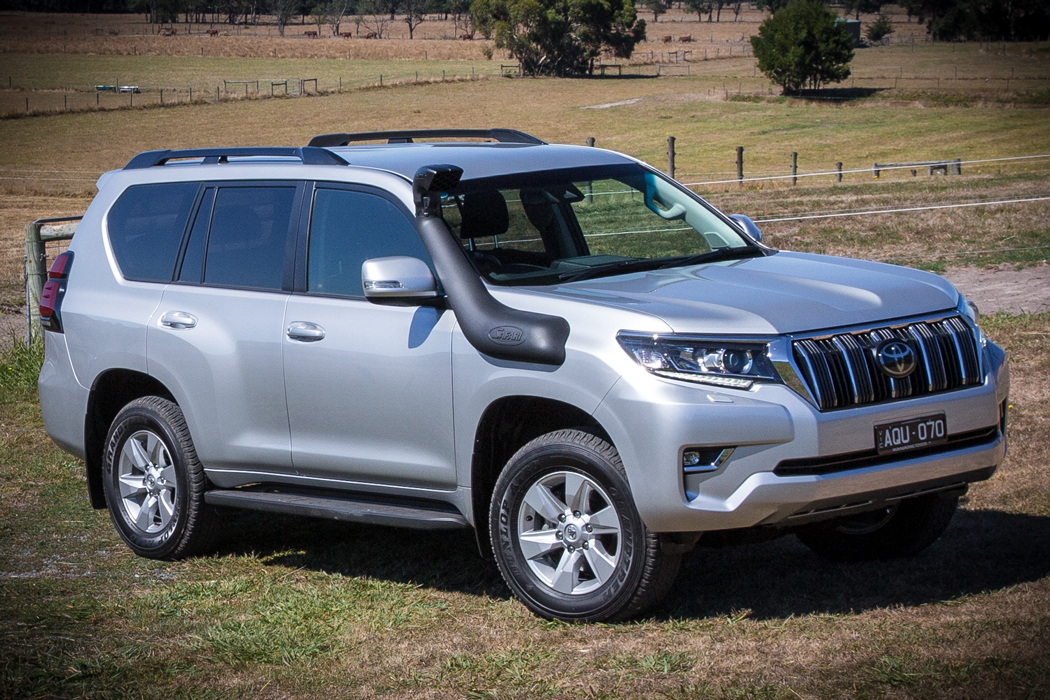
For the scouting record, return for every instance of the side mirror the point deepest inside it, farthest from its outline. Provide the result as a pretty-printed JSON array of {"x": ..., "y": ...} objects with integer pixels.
[
  {"x": 747, "y": 225},
  {"x": 397, "y": 279}
]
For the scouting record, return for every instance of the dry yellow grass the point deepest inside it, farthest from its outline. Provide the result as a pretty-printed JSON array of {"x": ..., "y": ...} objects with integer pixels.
[{"x": 131, "y": 35}]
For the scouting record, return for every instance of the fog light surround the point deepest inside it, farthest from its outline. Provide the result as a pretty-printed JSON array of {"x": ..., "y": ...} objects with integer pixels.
[{"x": 700, "y": 460}]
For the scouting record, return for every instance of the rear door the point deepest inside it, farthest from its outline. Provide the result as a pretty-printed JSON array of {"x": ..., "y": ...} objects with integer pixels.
[
  {"x": 216, "y": 337},
  {"x": 369, "y": 386}
]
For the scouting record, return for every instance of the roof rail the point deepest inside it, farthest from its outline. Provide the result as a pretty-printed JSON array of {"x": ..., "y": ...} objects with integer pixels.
[
  {"x": 308, "y": 155},
  {"x": 501, "y": 135}
]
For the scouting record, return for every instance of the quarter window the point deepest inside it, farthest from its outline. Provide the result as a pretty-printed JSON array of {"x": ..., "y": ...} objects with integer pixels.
[{"x": 145, "y": 229}]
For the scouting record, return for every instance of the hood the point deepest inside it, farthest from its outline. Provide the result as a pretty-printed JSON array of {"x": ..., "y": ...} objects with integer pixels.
[{"x": 781, "y": 293}]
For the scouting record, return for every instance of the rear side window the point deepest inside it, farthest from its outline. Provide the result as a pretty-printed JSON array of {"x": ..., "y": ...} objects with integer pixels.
[
  {"x": 248, "y": 236},
  {"x": 145, "y": 229},
  {"x": 348, "y": 228}
]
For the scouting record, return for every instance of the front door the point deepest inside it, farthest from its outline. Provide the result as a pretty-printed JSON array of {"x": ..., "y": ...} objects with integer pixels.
[{"x": 369, "y": 386}]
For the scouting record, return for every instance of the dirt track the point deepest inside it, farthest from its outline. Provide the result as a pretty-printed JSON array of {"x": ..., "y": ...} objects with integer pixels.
[{"x": 1003, "y": 288}]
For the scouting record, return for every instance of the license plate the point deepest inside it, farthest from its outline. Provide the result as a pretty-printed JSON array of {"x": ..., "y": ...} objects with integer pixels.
[{"x": 911, "y": 434}]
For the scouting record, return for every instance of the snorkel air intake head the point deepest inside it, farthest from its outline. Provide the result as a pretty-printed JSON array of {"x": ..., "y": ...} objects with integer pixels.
[{"x": 428, "y": 184}]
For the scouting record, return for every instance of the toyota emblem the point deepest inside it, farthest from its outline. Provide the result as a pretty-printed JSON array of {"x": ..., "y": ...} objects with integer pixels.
[{"x": 895, "y": 358}]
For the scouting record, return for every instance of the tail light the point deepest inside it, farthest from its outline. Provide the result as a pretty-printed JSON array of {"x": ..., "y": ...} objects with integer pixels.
[{"x": 49, "y": 296}]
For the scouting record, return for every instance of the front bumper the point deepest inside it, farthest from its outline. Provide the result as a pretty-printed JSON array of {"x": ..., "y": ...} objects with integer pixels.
[{"x": 652, "y": 421}]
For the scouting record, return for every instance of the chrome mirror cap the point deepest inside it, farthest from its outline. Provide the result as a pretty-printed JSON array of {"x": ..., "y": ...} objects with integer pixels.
[{"x": 397, "y": 278}]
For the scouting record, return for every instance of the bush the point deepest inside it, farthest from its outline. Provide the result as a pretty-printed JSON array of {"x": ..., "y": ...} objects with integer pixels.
[
  {"x": 801, "y": 46},
  {"x": 879, "y": 29}
]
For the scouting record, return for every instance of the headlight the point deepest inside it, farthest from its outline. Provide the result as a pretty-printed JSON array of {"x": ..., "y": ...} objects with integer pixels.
[
  {"x": 969, "y": 309},
  {"x": 720, "y": 362}
]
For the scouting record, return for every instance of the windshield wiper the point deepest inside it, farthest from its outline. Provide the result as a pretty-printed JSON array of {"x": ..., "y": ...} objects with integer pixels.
[
  {"x": 717, "y": 255},
  {"x": 642, "y": 265},
  {"x": 614, "y": 268}
]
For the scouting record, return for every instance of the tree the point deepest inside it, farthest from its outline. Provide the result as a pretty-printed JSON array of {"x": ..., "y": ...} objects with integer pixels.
[
  {"x": 699, "y": 7},
  {"x": 879, "y": 29},
  {"x": 657, "y": 7},
  {"x": 415, "y": 14},
  {"x": 802, "y": 46},
  {"x": 334, "y": 13},
  {"x": 771, "y": 5},
  {"x": 560, "y": 37},
  {"x": 284, "y": 10},
  {"x": 951, "y": 20},
  {"x": 865, "y": 6},
  {"x": 372, "y": 14}
]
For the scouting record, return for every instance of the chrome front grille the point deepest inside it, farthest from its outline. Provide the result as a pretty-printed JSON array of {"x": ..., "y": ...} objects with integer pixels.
[{"x": 841, "y": 371}]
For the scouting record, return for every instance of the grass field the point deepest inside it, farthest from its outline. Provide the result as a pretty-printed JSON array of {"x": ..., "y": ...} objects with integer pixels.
[
  {"x": 290, "y": 608},
  {"x": 295, "y": 608}
]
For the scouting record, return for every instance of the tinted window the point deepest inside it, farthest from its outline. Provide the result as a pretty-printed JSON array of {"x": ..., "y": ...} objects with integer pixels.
[
  {"x": 146, "y": 226},
  {"x": 193, "y": 260},
  {"x": 348, "y": 228},
  {"x": 249, "y": 233}
]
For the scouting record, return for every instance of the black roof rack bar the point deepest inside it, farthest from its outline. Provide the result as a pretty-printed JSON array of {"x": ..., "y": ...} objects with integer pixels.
[
  {"x": 308, "y": 155},
  {"x": 501, "y": 135}
]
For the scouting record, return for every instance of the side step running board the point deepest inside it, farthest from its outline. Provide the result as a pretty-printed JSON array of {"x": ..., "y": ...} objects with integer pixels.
[{"x": 340, "y": 509}]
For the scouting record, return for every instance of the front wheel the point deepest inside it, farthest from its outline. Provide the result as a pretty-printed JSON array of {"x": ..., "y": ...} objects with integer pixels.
[
  {"x": 567, "y": 536},
  {"x": 153, "y": 481},
  {"x": 900, "y": 530}
]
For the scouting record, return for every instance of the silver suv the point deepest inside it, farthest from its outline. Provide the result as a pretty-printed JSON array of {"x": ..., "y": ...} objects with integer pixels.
[{"x": 557, "y": 346}]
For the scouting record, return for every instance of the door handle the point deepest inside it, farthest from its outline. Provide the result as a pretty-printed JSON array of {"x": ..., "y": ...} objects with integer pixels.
[
  {"x": 305, "y": 332},
  {"x": 178, "y": 320}
]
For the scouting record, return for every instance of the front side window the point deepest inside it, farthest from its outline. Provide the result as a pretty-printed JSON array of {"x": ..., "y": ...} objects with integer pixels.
[
  {"x": 541, "y": 228},
  {"x": 145, "y": 228},
  {"x": 349, "y": 227}
]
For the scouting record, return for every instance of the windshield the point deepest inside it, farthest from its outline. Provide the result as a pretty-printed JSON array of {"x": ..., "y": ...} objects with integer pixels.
[{"x": 560, "y": 225}]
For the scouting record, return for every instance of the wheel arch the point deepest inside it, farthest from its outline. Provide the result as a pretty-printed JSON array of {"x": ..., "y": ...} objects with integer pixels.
[
  {"x": 505, "y": 426},
  {"x": 111, "y": 391}
]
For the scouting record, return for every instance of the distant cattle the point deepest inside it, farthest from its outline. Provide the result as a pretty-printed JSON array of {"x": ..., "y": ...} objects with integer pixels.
[
  {"x": 468, "y": 37},
  {"x": 169, "y": 31},
  {"x": 667, "y": 38},
  {"x": 688, "y": 38},
  {"x": 346, "y": 35},
  {"x": 213, "y": 32},
  {"x": 310, "y": 33},
  {"x": 371, "y": 35}
]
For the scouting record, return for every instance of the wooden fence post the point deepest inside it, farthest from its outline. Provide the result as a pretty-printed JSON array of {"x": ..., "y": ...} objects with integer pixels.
[
  {"x": 670, "y": 156},
  {"x": 739, "y": 162},
  {"x": 838, "y": 166},
  {"x": 36, "y": 258},
  {"x": 794, "y": 168}
]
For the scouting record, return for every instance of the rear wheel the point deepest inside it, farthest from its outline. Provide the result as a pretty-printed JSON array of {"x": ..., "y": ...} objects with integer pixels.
[
  {"x": 901, "y": 530},
  {"x": 567, "y": 537},
  {"x": 154, "y": 482}
]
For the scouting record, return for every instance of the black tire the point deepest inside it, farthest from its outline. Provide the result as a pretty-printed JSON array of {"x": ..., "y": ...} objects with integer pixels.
[
  {"x": 586, "y": 563},
  {"x": 901, "y": 530},
  {"x": 161, "y": 513}
]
